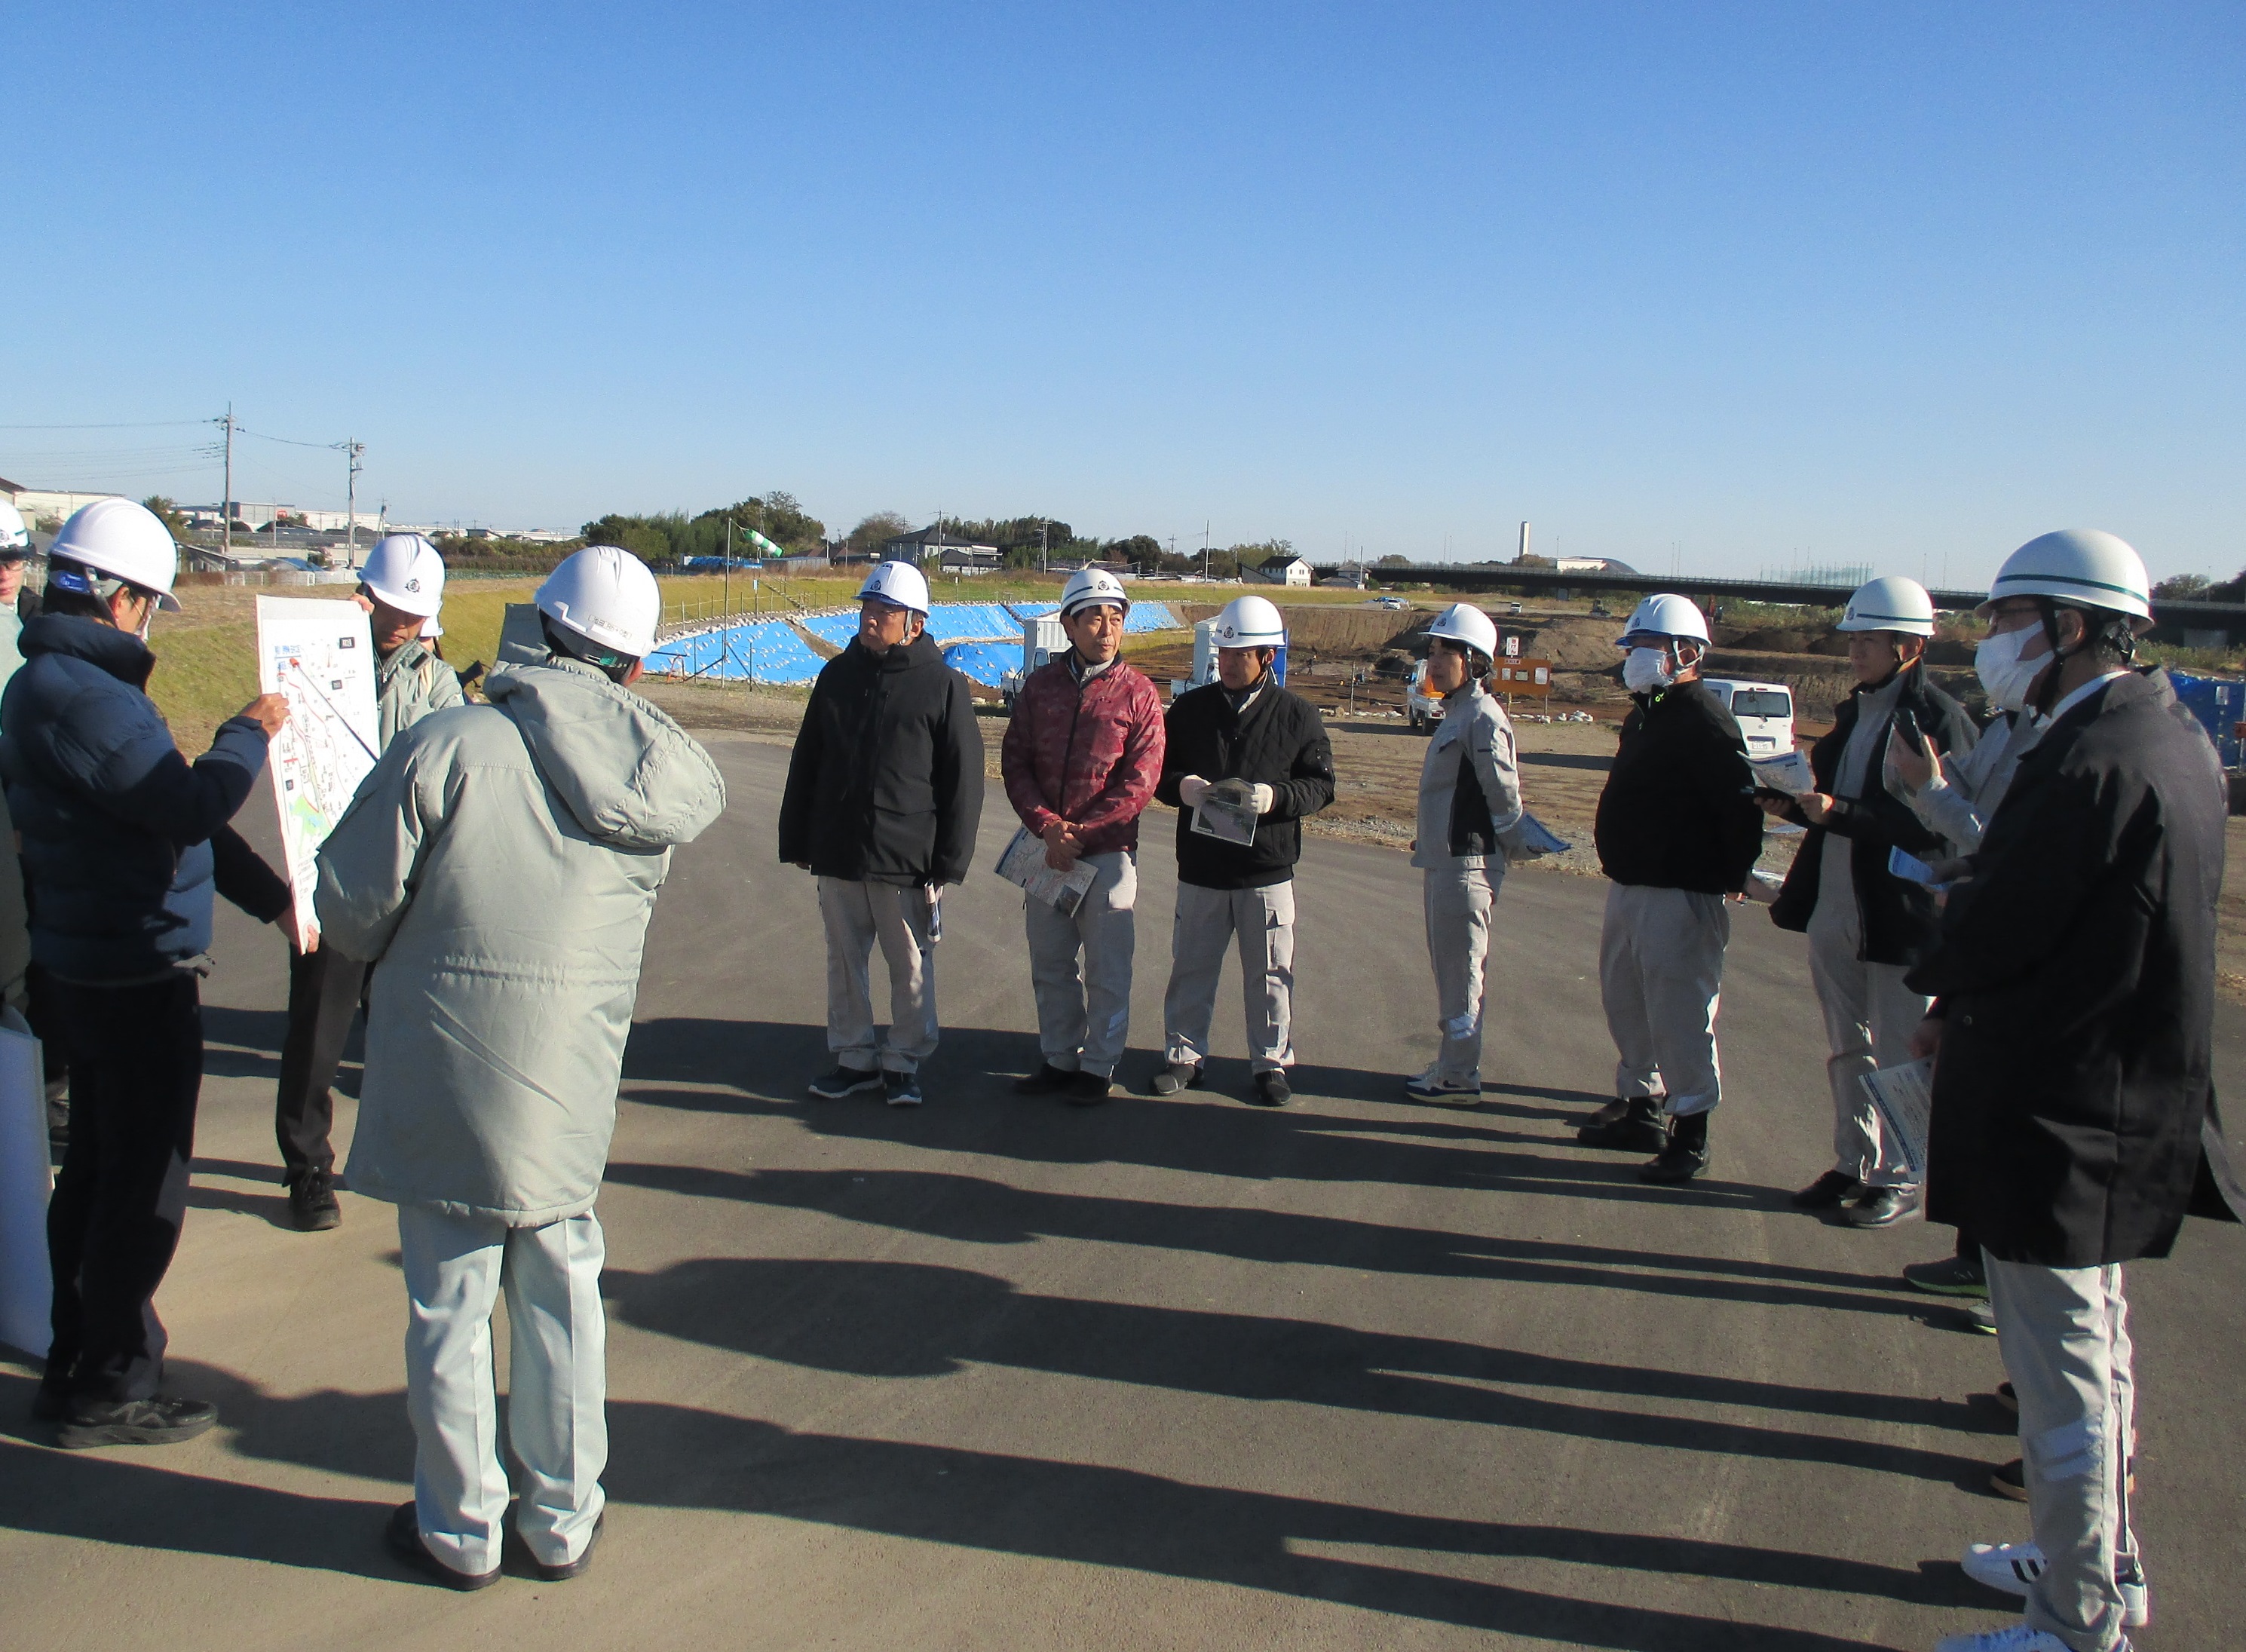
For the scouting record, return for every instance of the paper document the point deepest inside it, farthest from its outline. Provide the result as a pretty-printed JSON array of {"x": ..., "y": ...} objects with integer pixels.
[
  {"x": 1789, "y": 774},
  {"x": 1904, "y": 1097},
  {"x": 1226, "y": 811},
  {"x": 1763, "y": 887},
  {"x": 321, "y": 655},
  {"x": 1529, "y": 837},
  {"x": 26, "y": 1281},
  {"x": 1023, "y": 862}
]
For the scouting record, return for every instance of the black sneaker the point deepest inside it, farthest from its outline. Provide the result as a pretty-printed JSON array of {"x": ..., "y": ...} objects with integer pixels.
[
  {"x": 1046, "y": 1079},
  {"x": 1176, "y": 1076},
  {"x": 1638, "y": 1130},
  {"x": 2011, "y": 1480},
  {"x": 1602, "y": 1117},
  {"x": 402, "y": 1537},
  {"x": 1882, "y": 1207},
  {"x": 1088, "y": 1089},
  {"x": 902, "y": 1090},
  {"x": 1829, "y": 1192},
  {"x": 1951, "y": 1276},
  {"x": 312, "y": 1204},
  {"x": 1684, "y": 1155},
  {"x": 164, "y": 1419},
  {"x": 845, "y": 1081},
  {"x": 1271, "y": 1090}
]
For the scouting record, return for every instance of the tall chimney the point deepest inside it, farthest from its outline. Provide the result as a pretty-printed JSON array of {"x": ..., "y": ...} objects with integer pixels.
[{"x": 1524, "y": 541}]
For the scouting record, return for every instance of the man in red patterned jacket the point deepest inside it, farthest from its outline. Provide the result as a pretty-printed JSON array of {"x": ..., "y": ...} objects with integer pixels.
[{"x": 1080, "y": 760}]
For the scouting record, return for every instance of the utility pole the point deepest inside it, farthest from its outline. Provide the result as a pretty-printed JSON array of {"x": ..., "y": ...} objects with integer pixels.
[
  {"x": 1044, "y": 544},
  {"x": 352, "y": 450},
  {"x": 226, "y": 504}
]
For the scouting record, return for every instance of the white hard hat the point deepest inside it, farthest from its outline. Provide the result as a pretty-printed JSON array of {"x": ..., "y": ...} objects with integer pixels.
[
  {"x": 1889, "y": 603},
  {"x": 1088, "y": 587},
  {"x": 1464, "y": 623},
  {"x": 606, "y": 595},
  {"x": 405, "y": 571},
  {"x": 124, "y": 541},
  {"x": 14, "y": 535},
  {"x": 1664, "y": 615},
  {"x": 2082, "y": 566},
  {"x": 1249, "y": 622},
  {"x": 898, "y": 583}
]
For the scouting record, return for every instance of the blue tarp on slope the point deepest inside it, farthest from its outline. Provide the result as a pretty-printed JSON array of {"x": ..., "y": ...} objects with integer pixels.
[
  {"x": 984, "y": 662},
  {"x": 1143, "y": 616},
  {"x": 765, "y": 650}
]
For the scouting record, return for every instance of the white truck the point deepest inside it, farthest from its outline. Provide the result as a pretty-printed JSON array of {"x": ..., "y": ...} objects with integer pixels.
[
  {"x": 1043, "y": 639},
  {"x": 1764, "y": 711}
]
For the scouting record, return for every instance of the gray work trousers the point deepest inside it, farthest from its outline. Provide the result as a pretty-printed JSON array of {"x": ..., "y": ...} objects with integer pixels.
[
  {"x": 1661, "y": 974},
  {"x": 557, "y": 1383},
  {"x": 898, "y": 916},
  {"x": 2064, "y": 1333},
  {"x": 1080, "y": 969},
  {"x": 1459, "y": 902},
  {"x": 1262, "y": 923},
  {"x": 1870, "y": 1015}
]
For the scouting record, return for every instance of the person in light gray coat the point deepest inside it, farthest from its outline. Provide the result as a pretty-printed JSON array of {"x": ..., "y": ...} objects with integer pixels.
[
  {"x": 500, "y": 865},
  {"x": 1469, "y": 801}
]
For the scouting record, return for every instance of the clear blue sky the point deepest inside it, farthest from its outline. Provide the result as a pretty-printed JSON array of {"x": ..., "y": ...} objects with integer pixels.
[{"x": 1903, "y": 284}]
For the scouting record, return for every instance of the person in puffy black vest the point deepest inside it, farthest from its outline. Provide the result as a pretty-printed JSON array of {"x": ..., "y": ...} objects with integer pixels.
[
  {"x": 1677, "y": 830},
  {"x": 1245, "y": 735},
  {"x": 884, "y": 794},
  {"x": 1866, "y": 925},
  {"x": 124, "y": 843}
]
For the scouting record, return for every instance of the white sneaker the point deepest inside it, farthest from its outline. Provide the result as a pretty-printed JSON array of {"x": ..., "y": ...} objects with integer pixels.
[
  {"x": 1431, "y": 1085},
  {"x": 2012, "y": 1567},
  {"x": 2013, "y": 1637}
]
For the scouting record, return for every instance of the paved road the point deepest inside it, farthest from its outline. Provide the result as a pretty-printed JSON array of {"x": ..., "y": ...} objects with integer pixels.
[{"x": 1182, "y": 1373}]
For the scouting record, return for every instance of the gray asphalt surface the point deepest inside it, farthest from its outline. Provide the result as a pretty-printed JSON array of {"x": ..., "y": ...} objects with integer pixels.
[{"x": 1182, "y": 1373}]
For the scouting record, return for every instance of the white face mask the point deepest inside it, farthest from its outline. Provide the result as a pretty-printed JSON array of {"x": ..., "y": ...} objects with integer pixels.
[
  {"x": 2005, "y": 676},
  {"x": 1645, "y": 668}
]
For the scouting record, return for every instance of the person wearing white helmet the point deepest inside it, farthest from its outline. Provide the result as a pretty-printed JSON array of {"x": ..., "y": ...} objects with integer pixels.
[
  {"x": 401, "y": 586},
  {"x": 1082, "y": 756},
  {"x": 500, "y": 865},
  {"x": 18, "y": 603},
  {"x": 1469, "y": 804},
  {"x": 1866, "y": 926},
  {"x": 1243, "y": 744},
  {"x": 2072, "y": 1032},
  {"x": 1678, "y": 830},
  {"x": 884, "y": 793},
  {"x": 125, "y": 843}
]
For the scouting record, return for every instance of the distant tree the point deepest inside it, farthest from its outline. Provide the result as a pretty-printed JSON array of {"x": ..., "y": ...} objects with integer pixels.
[
  {"x": 868, "y": 538},
  {"x": 1392, "y": 561},
  {"x": 1142, "y": 551},
  {"x": 166, "y": 512},
  {"x": 2182, "y": 588},
  {"x": 1261, "y": 552},
  {"x": 1010, "y": 533},
  {"x": 777, "y": 515}
]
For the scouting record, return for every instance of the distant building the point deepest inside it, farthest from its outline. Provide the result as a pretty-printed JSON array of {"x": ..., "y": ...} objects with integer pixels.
[
  {"x": 1590, "y": 565},
  {"x": 41, "y": 503},
  {"x": 1280, "y": 570},
  {"x": 968, "y": 560},
  {"x": 932, "y": 543}
]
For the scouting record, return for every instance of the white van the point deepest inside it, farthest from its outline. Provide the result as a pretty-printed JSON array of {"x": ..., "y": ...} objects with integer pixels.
[
  {"x": 1764, "y": 711},
  {"x": 1422, "y": 708}
]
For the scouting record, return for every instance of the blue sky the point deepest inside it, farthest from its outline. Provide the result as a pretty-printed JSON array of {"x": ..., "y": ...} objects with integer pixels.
[{"x": 1725, "y": 285}]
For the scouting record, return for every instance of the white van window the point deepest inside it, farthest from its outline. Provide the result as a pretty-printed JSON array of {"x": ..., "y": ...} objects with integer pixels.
[{"x": 1761, "y": 703}]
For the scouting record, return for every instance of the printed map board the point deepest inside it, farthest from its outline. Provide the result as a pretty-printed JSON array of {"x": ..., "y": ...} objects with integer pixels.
[{"x": 319, "y": 653}]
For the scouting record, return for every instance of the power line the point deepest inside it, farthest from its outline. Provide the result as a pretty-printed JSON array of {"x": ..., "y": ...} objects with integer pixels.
[{"x": 157, "y": 423}]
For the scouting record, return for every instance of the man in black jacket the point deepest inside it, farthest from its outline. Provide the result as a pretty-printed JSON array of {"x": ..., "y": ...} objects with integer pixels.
[
  {"x": 1677, "y": 830},
  {"x": 1264, "y": 753},
  {"x": 1866, "y": 925},
  {"x": 2073, "y": 1030},
  {"x": 884, "y": 792}
]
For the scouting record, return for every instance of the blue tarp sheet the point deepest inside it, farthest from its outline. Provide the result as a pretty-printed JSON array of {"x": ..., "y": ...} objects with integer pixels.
[
  {"x": 981, "y": 622},
  {"x": 765, "y": 650},
  {"x": 1144, "y": 616},
  {"x": 984, "y": 662},
  {"x": 2219, "y": 704}
]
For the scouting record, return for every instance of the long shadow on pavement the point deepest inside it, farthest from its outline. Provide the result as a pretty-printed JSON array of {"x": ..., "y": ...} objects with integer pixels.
[
  {"x": 978, "y": 1211},
  {"x": 678, "y": 1456},
  {"x": 903, "y": 1319}
]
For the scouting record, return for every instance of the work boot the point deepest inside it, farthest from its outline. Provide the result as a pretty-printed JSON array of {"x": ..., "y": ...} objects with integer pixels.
[
  {"x": 1046, "y": 1079},
  {"x": 403, "y": 1538},
  {"x": 1638, "y": 1130},
  {"x": 1088, "y": 1089},
  {"x": 1882, "y": 1207},
  {"x": 312, "y": 1204},
  {"x": 1685, "y": 1154},
  {"x": 162, "y": 1419},
  {"x": 1602, "y": 1117},
  {"x": 1176, "y": 1076},
  {"x": 1829, "y": 1192},
  {"x": 1271, "y": 1090},
  {"x": 567, "y": 1569}
]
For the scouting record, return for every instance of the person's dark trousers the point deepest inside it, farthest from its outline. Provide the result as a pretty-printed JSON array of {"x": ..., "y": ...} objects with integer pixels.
[
  {"x": 136, "y": 1068},
  {"x": 323, "y": 995}
]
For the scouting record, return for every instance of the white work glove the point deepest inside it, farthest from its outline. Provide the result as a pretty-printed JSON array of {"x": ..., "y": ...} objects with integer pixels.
[
  {"x": 1193, "y": 791},
  {"x": 1262, "y": 796}
]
